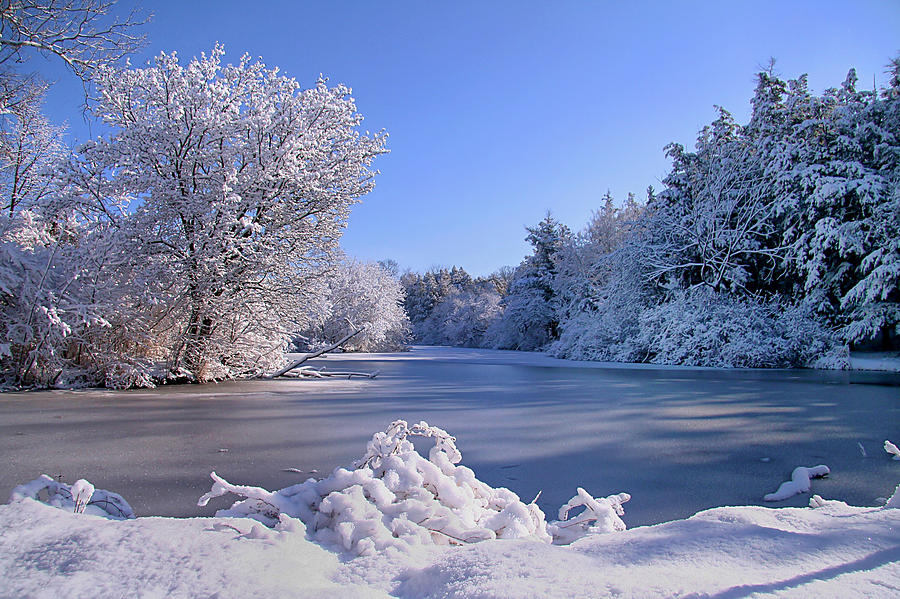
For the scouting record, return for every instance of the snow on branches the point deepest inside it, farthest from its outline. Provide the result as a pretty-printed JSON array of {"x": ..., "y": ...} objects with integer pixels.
[
  {"x": 229, "y": 186},
  {"x": 396, "y": 498}
]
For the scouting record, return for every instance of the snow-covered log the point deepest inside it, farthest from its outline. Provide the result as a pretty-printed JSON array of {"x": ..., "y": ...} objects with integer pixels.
[
  {"x": 799, "y": 482},
  {"x": 315, "y": 354}
]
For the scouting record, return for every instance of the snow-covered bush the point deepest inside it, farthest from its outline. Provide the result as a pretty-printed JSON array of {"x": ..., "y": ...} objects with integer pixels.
[
  {"x": 80, "y": 497},
  {"x": 699, "y": 327},
  {"x": 600, "y": 515},
  {"x": 395, "y": 498}
]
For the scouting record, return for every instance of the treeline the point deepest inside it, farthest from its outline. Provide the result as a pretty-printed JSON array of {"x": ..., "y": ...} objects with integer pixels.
[{"x": 774, "y": 243}]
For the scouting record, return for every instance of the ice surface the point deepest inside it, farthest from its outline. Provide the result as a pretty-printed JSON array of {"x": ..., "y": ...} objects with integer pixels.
[{"x": 678, "y": 440}]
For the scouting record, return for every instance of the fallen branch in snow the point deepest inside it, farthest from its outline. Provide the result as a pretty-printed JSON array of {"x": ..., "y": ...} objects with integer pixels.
[
  {"x": 799, "y": 482},
  {"x": 321, "y": 373},
  {"x": 601, "y": 514},
  {"x": 314, "y": 354}
]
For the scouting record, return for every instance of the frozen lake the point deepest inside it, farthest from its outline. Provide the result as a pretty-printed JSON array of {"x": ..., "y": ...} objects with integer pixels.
[{"x": 678, "y": 440}]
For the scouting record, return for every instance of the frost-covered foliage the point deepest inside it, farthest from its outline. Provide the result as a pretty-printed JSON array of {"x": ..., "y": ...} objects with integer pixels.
[
  {"x": 775, "y": 243},
  {"x": 81, "y": 497},
  {"x": 395, "y": 498},
  {"x": 714, "y": 224},
  {"x": 53, "y": 312},
  {"x": 231, "y": 184},
  {"x": 772, "y": 244},
  {"x": 461, "y": 318},
  {"x": 599, "y": 288},
  {"x": 363, "y": 295},
  {"x": 30, "y": 148},
  {"x": 835, "y": 159}
]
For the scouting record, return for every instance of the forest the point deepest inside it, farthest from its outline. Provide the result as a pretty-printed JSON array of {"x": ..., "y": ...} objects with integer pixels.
[
  {"x": 774, "y": 243},
  {"x": 198, "y": 237}
]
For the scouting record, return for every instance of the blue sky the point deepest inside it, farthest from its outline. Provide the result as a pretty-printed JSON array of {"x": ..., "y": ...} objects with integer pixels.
[{"x": 500, "y": 111}]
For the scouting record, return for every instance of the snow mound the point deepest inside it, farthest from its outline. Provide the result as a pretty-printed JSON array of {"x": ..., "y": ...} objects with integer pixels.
[
  {"x": 799, "y": 482},
  {"x": 81, "y": 497},
  {"x": 396, "y": 498}
]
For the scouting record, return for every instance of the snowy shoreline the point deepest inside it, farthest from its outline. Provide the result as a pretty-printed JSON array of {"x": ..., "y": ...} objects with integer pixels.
[
  {"x": 833, "y": 550},
  {"x": 859, "y": 361}
]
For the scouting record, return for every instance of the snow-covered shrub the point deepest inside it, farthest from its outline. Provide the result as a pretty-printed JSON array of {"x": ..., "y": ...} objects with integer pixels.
[
  {"x": 699, "y": 327},
  {"x": 80, "y": 497},
  {"x": 396, "y": 498}
]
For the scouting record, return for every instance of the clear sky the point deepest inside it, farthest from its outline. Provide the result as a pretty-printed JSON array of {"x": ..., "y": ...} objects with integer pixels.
[{"x": 501, "y": 110}]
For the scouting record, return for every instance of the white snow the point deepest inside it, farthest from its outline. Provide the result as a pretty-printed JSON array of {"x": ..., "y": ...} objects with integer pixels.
[
  {"x": 799, "y": 482},
  {"x": 832, "y": 551},
  {"x": 892, "y": 449}
]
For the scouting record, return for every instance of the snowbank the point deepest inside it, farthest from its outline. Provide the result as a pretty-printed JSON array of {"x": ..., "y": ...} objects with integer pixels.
[
  {"x": 833, "y": 551},
  {"x": 400, "y": 525}
]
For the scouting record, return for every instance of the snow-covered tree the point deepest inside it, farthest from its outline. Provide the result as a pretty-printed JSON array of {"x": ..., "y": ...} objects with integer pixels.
[
  {"x": 229, "y": 185},
  {"x": 361, "y": 295},
  {"x": 601, "y": 287},
  {"x": 48, "y": 307},
  {"x": 437, "y": 304},
  {"x": 83, "y": 34},
  {"x": 30, "y": 149},
  {"x": 529, "y": 318},
  {"x": 462, "y": 318},
  {"x": 715, "y": 223},
  {"x": 835, "y": 159}
]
